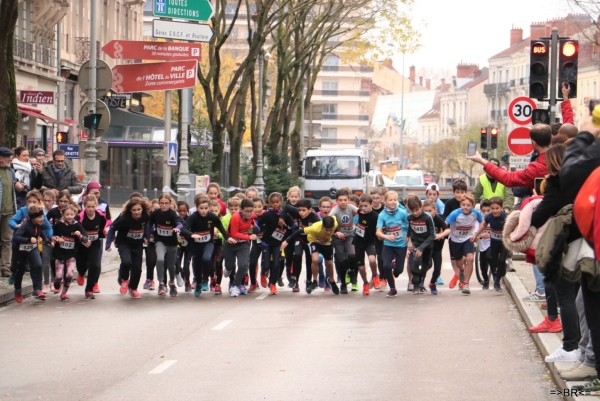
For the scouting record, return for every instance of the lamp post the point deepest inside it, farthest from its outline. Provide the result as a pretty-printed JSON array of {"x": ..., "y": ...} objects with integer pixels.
[
  {"x": 259, "y": 182},
  {"x": 401, "y": 155}
]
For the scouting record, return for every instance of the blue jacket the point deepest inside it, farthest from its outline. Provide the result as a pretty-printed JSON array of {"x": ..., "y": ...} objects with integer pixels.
[{"x": 23, "y": 214}]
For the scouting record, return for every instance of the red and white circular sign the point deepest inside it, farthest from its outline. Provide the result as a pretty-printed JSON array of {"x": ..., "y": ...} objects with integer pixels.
[
  {"x": 521, "y": 109},
  {"x": 519, "y": 141},
  {"x": 504, "y": 166}
]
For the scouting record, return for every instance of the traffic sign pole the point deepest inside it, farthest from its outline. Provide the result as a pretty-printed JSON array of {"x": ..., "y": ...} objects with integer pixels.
[
  {"x": 166, "y": 167},
  {"x": 90, "y": 148}
]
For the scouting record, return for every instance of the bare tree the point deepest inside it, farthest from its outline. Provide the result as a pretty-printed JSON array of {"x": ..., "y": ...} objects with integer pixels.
[{"x": 9, "y": 113}]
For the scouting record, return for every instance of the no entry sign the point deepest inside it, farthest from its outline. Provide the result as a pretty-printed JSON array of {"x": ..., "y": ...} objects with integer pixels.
[
  {"x": 139, "y": 50},
  {"x": 519, "y": 141},
  {"x": 154, "y": 76},
  {"x": 521, "y": 109}
]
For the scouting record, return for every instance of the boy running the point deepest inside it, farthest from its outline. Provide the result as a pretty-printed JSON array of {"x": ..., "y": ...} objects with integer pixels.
[{"x": 364, "y": 240}]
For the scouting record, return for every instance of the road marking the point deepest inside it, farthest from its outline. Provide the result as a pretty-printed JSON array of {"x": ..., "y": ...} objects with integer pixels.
[
  {"x": 477, "y": 339},
  {"x": 162, "y": 367},
  {"x": 263, "y": 295},
  {"x": 222, "y": 325}
]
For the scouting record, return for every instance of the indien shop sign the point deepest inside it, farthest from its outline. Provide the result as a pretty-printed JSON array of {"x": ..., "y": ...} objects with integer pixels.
[{"x": 36, "y": 97}]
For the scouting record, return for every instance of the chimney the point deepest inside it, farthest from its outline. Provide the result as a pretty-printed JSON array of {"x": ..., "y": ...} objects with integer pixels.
[
  {"x": 516, "y": 35},
  {"x": 466, "y": 70},
  {"x": 420, "y": 81},
  {"x": 413, "y": 73},
  {"x": 537, "y": 30},
  {"x": 387, "y": 63},
  {"x": 428, "y": 84},
  {"x": 443, "y": 84}
]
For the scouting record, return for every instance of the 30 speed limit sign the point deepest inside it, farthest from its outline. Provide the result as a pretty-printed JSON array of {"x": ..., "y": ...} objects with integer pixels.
[{"x": 521, "y": 109}]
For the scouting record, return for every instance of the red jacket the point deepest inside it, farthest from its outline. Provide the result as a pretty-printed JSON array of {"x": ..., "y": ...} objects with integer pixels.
[
  {"x": 519, "y": 178},
  {"x": 567, "y": 112}
]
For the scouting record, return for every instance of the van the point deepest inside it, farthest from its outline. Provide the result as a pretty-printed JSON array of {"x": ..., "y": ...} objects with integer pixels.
[{"x": 410, "y": 178}]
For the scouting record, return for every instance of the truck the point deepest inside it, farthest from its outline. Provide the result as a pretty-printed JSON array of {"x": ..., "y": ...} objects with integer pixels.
[{"x": 325, "y": 171}]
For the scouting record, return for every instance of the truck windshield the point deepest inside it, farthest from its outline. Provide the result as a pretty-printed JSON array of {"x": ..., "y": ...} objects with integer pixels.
[
  {"x": 408, "y": 180},
  {"x": 333, "y": 167}
]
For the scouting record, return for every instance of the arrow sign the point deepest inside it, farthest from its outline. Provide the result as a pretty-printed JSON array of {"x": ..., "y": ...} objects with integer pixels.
[
  {"x": 194, "y": 10},
  {"x": 147, "y": 77},
  {"x": 182, "y": 30},
  {"x": 172, "y": 152},
  {"x": 519, "y": 141},
  {"x": 140, "y": 50}
]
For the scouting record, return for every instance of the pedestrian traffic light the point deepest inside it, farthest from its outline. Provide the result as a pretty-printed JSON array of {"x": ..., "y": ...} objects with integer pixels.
[
  {"x": 92, "y": 121},
  {"x": 485, "y": 155},
  {"x": 568, "y": 55},
  {"x": 505, "y": 158},
  {"x": 538, "y": 70},
  {"x": 494, "y": 138},
  {"x": 62, "y": 137},
  {"x": 484, "y": 135}
]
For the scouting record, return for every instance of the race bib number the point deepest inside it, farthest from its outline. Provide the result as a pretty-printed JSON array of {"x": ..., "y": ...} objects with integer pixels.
[
  {"x": 27, "y": 247},
  {"x": 93, "y": 235},
  {"x": 135, "y": 234},
  {"x": 395, "y": 231},
  {"x": 278, "y": 234},
  {"x": 164, "y": 231},
  {"x": 463, "y": 231},
  {"x": 204, "y": 237},
  {"x": 69, "y": 243},
  {"x": 360, "y": 230},
  {"x": 497, "y": 235},
  {"x": 419, "y": 227},
  {"x": 323, "y": 241}
]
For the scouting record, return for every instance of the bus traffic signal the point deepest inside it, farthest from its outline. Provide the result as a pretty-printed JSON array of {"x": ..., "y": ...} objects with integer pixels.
[
  {"x": 484, "y": 135},
  {"x": 494, "y": 138},
  {"x": 538, "y": 69},
  {"x": 568, "y": 57}
]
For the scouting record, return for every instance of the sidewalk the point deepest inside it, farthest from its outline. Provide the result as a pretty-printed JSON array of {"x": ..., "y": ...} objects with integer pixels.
[{"x": 519, "y": 284}]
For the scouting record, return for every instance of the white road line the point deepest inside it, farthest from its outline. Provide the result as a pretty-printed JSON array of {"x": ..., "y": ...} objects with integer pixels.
[
  {"x": 477, "y": 339},
  {"x": 263, "y": 295},
  {"x": 222, "y": 325},
  {"x": 162, "y": 367}
]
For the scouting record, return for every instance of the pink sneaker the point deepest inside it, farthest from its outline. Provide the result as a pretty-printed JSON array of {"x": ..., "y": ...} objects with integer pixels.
[{"x": 124, "y": 285}]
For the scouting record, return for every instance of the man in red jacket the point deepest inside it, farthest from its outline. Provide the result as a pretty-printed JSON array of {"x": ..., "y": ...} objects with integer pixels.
[{"x": 541, "y": 136}]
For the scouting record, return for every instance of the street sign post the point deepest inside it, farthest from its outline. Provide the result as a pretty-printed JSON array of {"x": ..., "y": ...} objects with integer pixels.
[
  {"x": 71, "y": 151},
  {"x": 101, "y": 147},
  {"x": 147, "y": 77},
  {"x": 519, "y": 162},
  {"x": 182, "y": 31},
  {"x": 521, "y": 109},
  {"x": 103, "y": 77},
  {"x": 519, "y": 142},
  {"x": 101, "y": 108},
  {"x": 140, "y": 50},
  {"x": 193, "y": 10},
  {"x": 172, "y": 152}
]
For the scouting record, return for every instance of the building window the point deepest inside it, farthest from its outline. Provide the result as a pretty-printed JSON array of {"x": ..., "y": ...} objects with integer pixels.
[
  {"x": 330, "y": 108},
  {"x": 329, "y": 133},
  {"x": 330, "y": 88},
  {"x": 331, "y": 60}
]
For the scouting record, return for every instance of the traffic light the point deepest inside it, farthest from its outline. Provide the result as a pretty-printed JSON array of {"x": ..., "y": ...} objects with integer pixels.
[
  {"x": 484, "y": 135},
  {"x": 92, "y": 121},
  {"x": 568, "y": 54},
  {"x": 494, "y": 138},
  {"x": 62, "y": 137},
  {"x": 538, "y": 70},
  {"x": 485, "y": 155},
  {"x": 505, "y": 158}
]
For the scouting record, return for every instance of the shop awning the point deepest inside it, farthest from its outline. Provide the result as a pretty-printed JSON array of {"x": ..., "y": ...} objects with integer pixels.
[{"x": 37, "y": 113}]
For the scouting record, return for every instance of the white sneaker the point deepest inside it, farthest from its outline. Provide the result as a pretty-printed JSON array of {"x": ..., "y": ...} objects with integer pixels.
[
  {"x": 560, "y": 355},
  {"x": 235, "y": 291},
  {"x": 180, "y": 281}
]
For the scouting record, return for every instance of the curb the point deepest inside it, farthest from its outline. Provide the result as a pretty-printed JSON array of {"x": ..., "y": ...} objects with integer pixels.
[{"x": 545, "y": 342}]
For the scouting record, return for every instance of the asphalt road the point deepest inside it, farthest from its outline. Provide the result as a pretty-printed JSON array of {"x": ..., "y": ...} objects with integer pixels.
[{"x": 262, "y": 347}]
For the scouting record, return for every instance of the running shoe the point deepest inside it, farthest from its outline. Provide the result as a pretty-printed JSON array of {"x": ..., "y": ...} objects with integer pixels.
[
  {"x": 194, "y": 283},
  {"x": 439, "y": 281},
  {"x": 453, "y": 281},
  {"x": 343, "y": 289},
  {"x": 383, "y": 283},
  {"x": 292, "y": 282},
  {"x": 392, "y": 293},
  {"x": 147, "y": 285},
  {"x": 535, "y": 297},
  {"x": 39, "y": 295},
  {"x": 376, "y": 282},
  {"x": 135, "y": 294},
  {"x": 18, "y": 297},
  {"x": 80, "y": 279},
  {"x": 461, "y": 276},
  {"x": 334, "y": 288},
  {"x": 56, "y": 290},
  {"x": 205, "y": 286},
  {"x": 416, "y": 291},
  {"x": 152, "y": 286},
  {"x": 124, "y": 285},
  {"x": 252, "y": 288},
  {"x": 497, "y": 287},
  {"x": 321, "y": 282},
  {"x": 46, "y": 288},
  {"x": 422, "y": 290},
  {"x": 234, "y": 291},
  {"x": 411, "y": 287},
  {"x": 273, "y": 289},
  {"x": 213, "y": 283},
  {"x": 243, "y": 290},
  {"x": 173, "y": 290},
  {"x": 460, "y": 285},
  {"x": 263, "y": 281},
  {"x": 366, "y": 289},
  {"x": 485, "y": 285},
  {"x": 161, "y": 289},
  {"x": 593, "y": 385},
  {"x": 197, "y": 291},
  {"x": 547, "y": 326},
  {"x": 96, "y": 289},
  {"x": 296, "y": 288},
  {"x": 348, "y": 279},
  {"x": 64, "y": 296},
  {"x": 433, "y": 289},
  {"x": 280, "y": 282},
  {"x": 180, "y": 282},
  {"x": 354, "y": 286},
  {"x": 89, "y": 295},
  {"x": 466, "y": 290},
  {"x": 218, "y": 290},
  {"x": 560, "y": 355},
  {"x": 11, "y": 279},
  {"x": 188, "y": 286}
]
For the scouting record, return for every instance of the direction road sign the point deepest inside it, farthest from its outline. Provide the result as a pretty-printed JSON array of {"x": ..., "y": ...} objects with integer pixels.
[
  {"x": 103, "y": 77},
  {"x": 519, "y": 162},
  {"x": 194, "y": 10},
  {"x": 521, "y": 109},
  {"x": 140, "y": 50},
  {"x": 71, "y": 151},
  {"x": 101, "y": 108},
  {"x": 519, "y": 142},
  {"x": 182, "y": 31},
  {"x": 172, "y": 152},
  {"x": 147, "y": 77}
]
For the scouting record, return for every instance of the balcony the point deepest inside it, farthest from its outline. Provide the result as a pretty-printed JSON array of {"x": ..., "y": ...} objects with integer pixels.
[
  {"x": 33, "y": 52},
  {"x": 499, "y": 113},
  {"x": 522, "y": 81},
  {"x": 512, "y": 83},
  {"x": 336, "y": 92},
  {"x": 346, "y": 68},
  {"x": 501, "y": 88},
  {"x": 346, "y": 117}
]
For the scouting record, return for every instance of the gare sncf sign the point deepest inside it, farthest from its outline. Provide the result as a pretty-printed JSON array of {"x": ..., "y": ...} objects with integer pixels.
[{"x": 36, "y": 97}]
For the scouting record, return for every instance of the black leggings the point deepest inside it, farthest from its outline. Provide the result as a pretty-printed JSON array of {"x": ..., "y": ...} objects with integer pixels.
[
  {"x": 217, "y": 263},
  {"x": 88, "y": 261},
  {"x": 131, "y": 263},
  {"x": 202, "y": 261},
  {"x": 498, "y": 254},
  {"x": 419, "y": 265},
  {"x": 19, "y": 259},
  {"x": 150, "y": 260},
  {"x": 255, "y": 252},
  {"x": 436, "y": 258},
  {"x": 484, "y": 264},
  {"x": 302, "y": 248}
]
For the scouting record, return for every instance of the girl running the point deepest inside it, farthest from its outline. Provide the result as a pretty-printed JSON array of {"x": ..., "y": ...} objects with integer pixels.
[
  {"x": 150, "y": 249},
  {"x": 184, "y": 252}
]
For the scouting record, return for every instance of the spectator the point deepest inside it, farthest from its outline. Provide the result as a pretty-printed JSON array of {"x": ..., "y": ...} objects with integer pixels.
[
  {"x": 8, "y": 207},
  {"x": 27, "y": 177},
  {"x": 57, "y": 176},
  {"x": 39, "y": 155},
  {"x": 487, "y": 188}
]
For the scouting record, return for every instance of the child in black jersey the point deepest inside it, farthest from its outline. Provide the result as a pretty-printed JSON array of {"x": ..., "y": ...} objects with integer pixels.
[
  {"x": 68, "y": 235},
  {"x": 184, "y": 253},
  {"x": 306, "y": 218},
  {"x": 150, "y": 250},
  {"x": 422, "y": 235},
  {"x": 364, "y": 240},
  {"x": 378, "y": 206},
  {"x": 441, "y": 232},
  {"x": 217, "y": 257},
  {"x": 256, "y": 250},
  {"x": 290, "y": 209}
]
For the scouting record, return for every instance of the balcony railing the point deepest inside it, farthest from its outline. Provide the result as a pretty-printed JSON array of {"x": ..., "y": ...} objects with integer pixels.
[
  {"x": 335, "y": 92},
  {"x": 33, "y": 52},
  {"x": 345, "y": 68},
  {"x": 490, "y": 89},
  {"x": 346, "y": 117}
]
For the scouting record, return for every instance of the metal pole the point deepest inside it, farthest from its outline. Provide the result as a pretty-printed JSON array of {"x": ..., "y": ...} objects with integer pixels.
[
  {"x": 166, "y": 167},
  {"x": 498, "y": 104},
  {"x": 183, "y": 178},
  {"x": 90, "y": 148},
  {"x": 59, "y": 116},
  {"x": 258, "y": 180},
  {"x": 401, "y": 155},
  {"x": 553, "y": 62}
]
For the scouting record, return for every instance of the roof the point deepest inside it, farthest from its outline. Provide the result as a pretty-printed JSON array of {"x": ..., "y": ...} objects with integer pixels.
[
  {"x": 483, "y": 77},
  {"x": 433, "y": 113},
  {"x": 517, "y": 47}
]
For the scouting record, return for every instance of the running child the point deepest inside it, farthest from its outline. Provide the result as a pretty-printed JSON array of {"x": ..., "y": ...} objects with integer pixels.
[
  {"x": 459, "y": 188},
  {"x": 214, "y": 193},
  {"x": 342, "y": 241},
  {"x": 377, "y": 196},
  {"x": 441, "y": 232},
  {"x": 484, "y": 242},
  {"x": 291, "y": 208},
  {"x": 256, "y": 250},
  {"x": 422, "y": 235},
  {"x": 325, "y": 206},
  {"x": 364, "y": 240},
  {"x": 433, "y": 193},
  {"x": 239, "y": 226},
  {"x": 150, "y": 249},
  {"x": 184, "y": 253},
  {"x": 306, "y": 218},
  {"x": 49, "y": 200},
  {"x": 217, "y": 257}
]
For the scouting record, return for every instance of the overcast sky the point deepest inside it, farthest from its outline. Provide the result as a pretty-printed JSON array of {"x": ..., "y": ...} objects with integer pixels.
[{"x": 473, "y": 30}]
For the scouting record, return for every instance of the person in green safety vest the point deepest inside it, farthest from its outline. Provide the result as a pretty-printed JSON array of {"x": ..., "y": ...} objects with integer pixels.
[{"x": 487, "y": 188}]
